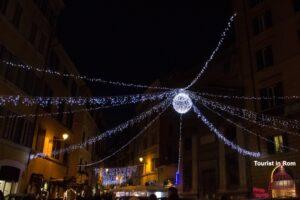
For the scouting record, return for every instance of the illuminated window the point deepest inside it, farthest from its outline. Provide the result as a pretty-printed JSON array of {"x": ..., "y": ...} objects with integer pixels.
[{"x": 278, "y": 145}]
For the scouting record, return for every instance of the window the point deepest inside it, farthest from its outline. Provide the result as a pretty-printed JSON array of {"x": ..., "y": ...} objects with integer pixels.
[
  {"x": 270, "y": 96},
  {"x": 264, "y": 58},
  {"x": 42, "y": 43},
  {"x": 40, "y": 140},
  {"x": 154, "y": 162},
  {"x": 262, "y": 22},
  {"x": 253, "y": 3},
  {"x": 296, "y": 5},
  {"x": 278, "y": 145},
  {"x": 232, "y": 170},
  {"x": 33, "y": 33},
  {"x": 17, "y": 15},
  {"x": 56, "y": 147},
  {"x": 226, "y": 67},
  {"x": 3, "y": 6}
]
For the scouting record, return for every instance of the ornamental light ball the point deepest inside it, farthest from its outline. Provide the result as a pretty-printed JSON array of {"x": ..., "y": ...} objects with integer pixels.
[{"x": 182, "y": 103}]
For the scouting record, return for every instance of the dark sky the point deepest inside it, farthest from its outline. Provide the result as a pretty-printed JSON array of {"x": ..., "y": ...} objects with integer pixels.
[{"x": 139, "y": 41}]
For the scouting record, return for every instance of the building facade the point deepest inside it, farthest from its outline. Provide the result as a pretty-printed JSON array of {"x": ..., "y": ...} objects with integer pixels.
[
  {"x": 263, "y": 62},
  {"x": 28, "y": 37}
]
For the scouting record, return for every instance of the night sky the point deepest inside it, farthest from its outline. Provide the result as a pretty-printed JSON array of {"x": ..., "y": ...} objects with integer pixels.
[{"x": 139, "y": 41}]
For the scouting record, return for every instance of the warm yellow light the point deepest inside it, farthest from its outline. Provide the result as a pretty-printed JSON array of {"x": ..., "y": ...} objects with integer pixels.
[
  {"x": 65, "y": 136},
  {"x": 106, "y": 170},
  {"x": 141, "y": 159}
]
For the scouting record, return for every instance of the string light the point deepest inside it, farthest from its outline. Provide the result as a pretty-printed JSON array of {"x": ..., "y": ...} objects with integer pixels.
[
  {"x": 221, "y": 41},
  {"x": 116, "y": 176},
  {"x": 275, "y": 121},
  {"x": 54, "y": 113},
  {"x": 247, "y": 98},
  {"x": 179, "y": 152},
  {"x": 128, "y": 143},
  {"x": 229, "y": 143},
  {"x": 80, "y": 101},
  {"x": 182, "y": 103},
  {"x": 111, "y": 132},
  {"x": 252, "y": 121},
  {"x": 247, "y": 130},
  {"x": 76, "y": 76}
]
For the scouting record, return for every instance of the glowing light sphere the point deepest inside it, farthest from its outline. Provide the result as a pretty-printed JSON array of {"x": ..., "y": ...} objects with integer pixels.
[{"x": 182, "y": 103}]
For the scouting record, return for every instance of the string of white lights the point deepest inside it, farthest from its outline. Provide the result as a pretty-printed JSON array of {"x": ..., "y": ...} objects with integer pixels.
[
  {"x": 116, "y": 176},
  {"x": 229, "y": 143},
  {"x": 247, "y": 97},
  {"x": 247, "y": 130},
  {"x": 128, "y": 143},
  {"x": 179, "y": 152},
  {"x": 13, "y": 65},
  {"x": 274, "y": 121},
  {"x": 213, "y": 106},
  {"x": 221, "y": 41},
  {"x": 51, "y": 114},
  {"x": 80, "y": 101},
  {"x": 110, "y": 132}
]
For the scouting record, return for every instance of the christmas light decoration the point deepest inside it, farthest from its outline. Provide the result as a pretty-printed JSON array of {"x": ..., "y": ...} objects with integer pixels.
[
  {"x": 76, "y": 76},
  {"x": 222, "y": 107},
  {"x": 177, "y": 181},
  {"x": 51, "y": 114},
  {"x": 221, "y": 41},
  {"x": 247, "y": 130},
  {"x": 80, "y": 101},
  {"x": 182, "y": 103},
  {"x": 111, "y": 132},
  {"x": 117, "y": 175},
  {"x": 274, "y": 121},
  {"x": 229, "y": 143},
  {"x": 128, "y": 143},
  {"x": 247, "y": 97}
]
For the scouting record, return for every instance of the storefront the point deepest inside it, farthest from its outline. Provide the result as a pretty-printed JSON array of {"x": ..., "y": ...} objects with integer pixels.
[{"x": 9, "y": 177}]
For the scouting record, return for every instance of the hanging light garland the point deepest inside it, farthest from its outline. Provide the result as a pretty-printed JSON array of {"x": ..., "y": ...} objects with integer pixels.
[
  {"x": 229, "y": 143},
  {"x": 76, "y": 76},
  {"x": 247, "y": 130},
  {"x": 128, "y": 143},
  {"x": 275, "y": 121},
  {"x": 117, "y": 175},
  {"x": 247, "y": 97},
  {"x": 111, "y": 132},
  {"x": 80, "y": 101},
  {"x": 221, "y": 41}
]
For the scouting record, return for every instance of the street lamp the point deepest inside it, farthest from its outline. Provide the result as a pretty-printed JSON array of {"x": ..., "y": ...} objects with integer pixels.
[
  {"x": 141, "y": 159},
  {"x": 65, "y": 136}
]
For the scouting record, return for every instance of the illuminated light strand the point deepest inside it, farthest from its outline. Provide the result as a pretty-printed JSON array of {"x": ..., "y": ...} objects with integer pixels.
[
  {"x": 247, "y": 130},
  {"x": 229, "y": 143},
  {"x": 80, "y": 101},
  {"x": 54, "y": 113},
  {"x": 179, "y": 152},
  {"x": 116, "y": 176},
  {"x": 75, "y": 76},
  {"x": 275, "y": 121},
  {"x": 110, "y": 132},
  {"x": 247, "y": 97},
  {"x": 221, "y": 41},
  {"x": 250, "y": 120},
  {"x": 128, "y": 143}
]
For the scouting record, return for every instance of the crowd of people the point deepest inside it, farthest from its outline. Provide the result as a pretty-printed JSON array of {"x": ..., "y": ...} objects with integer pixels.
[{"x": 70, "y": 194}]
